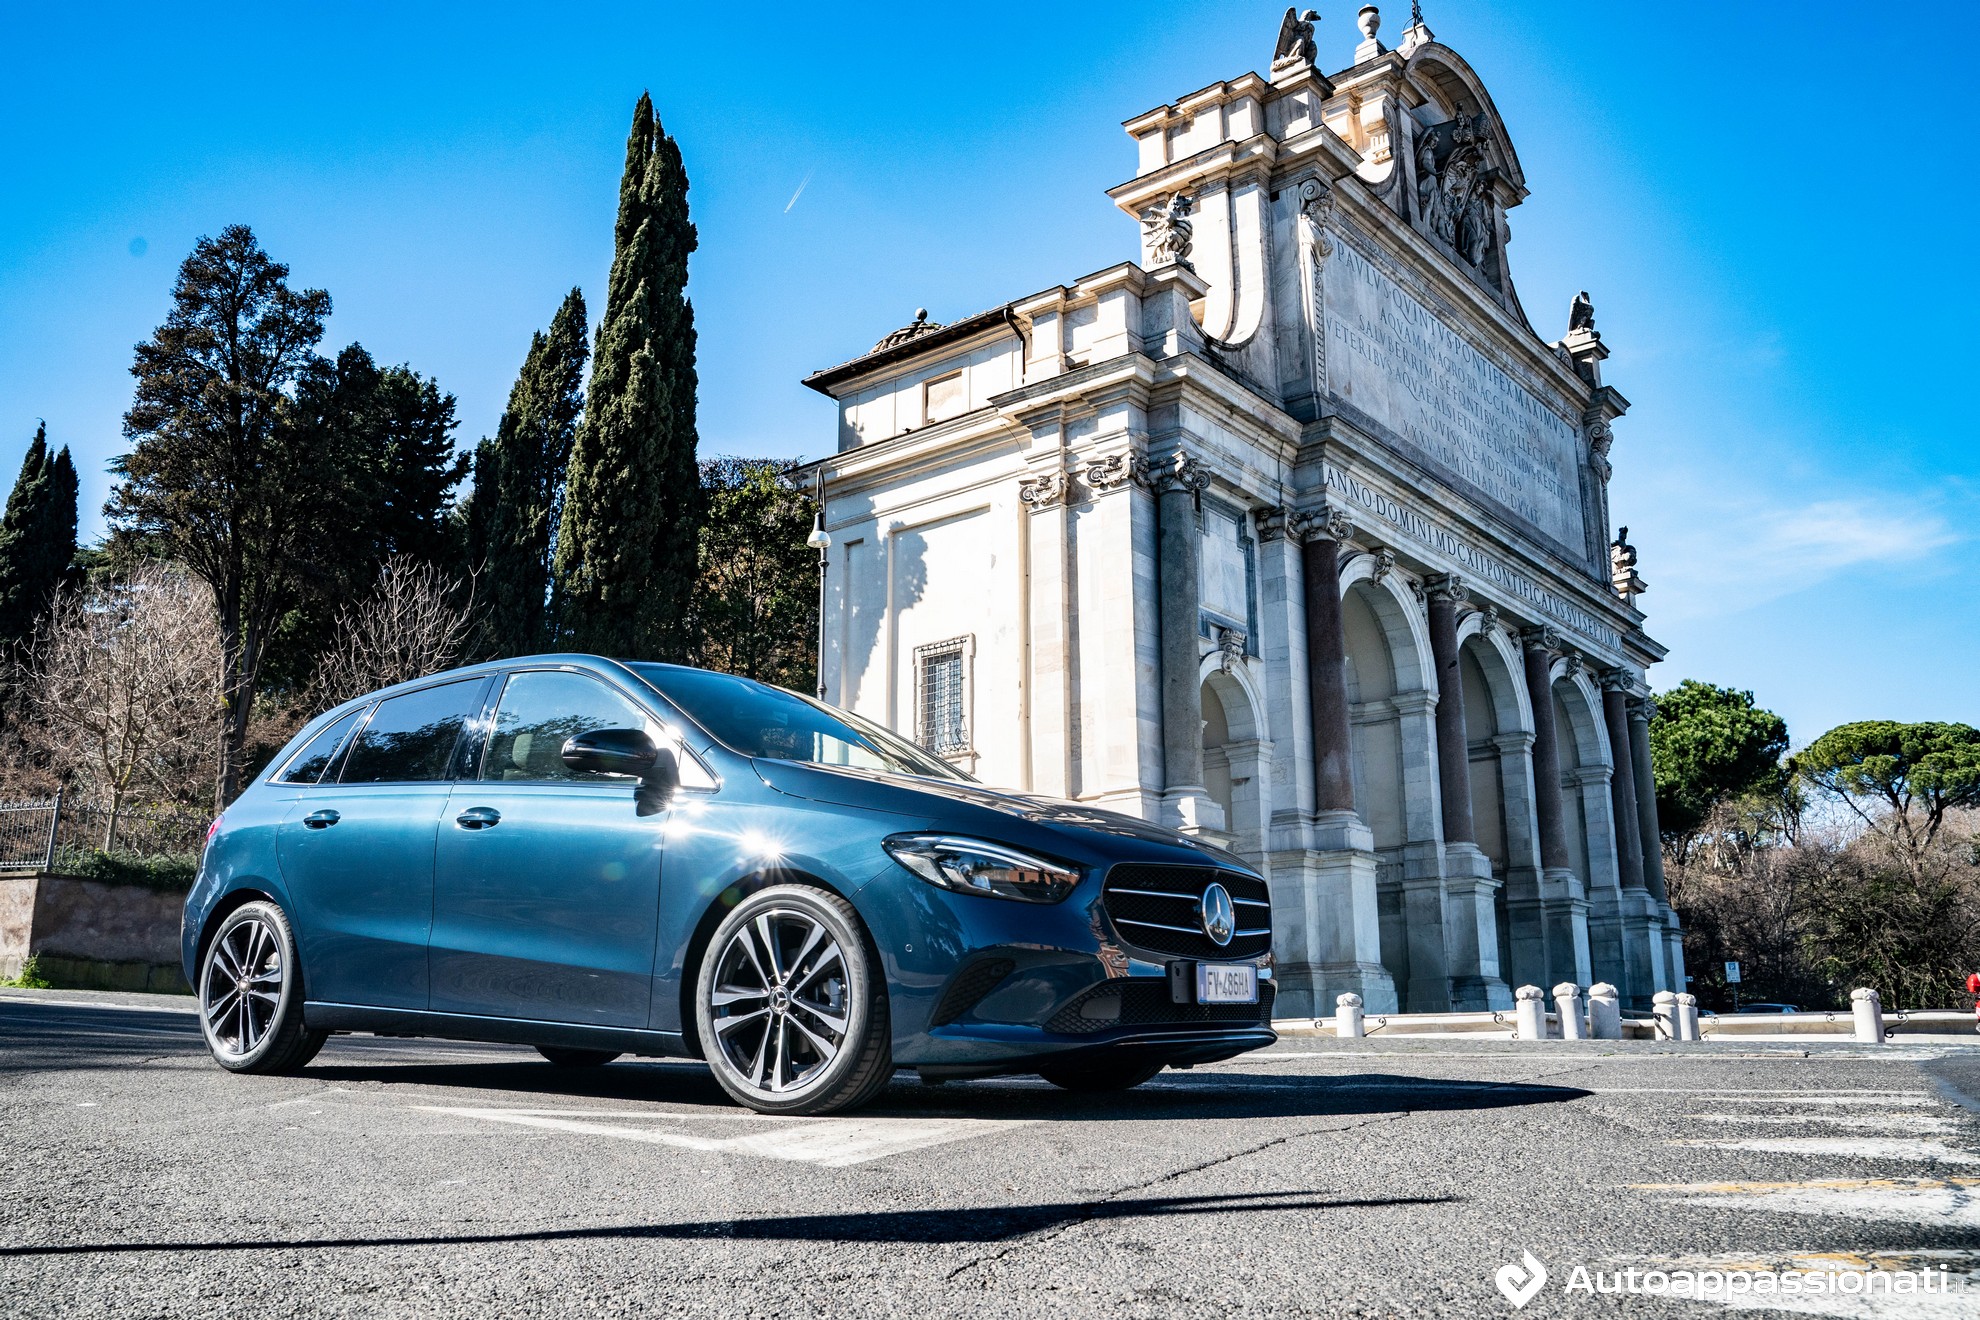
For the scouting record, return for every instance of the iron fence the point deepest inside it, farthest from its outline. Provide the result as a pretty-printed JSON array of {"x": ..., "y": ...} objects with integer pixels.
[
  {"x": 54, "y": 834},
  {"x": 27, "y": 834}
]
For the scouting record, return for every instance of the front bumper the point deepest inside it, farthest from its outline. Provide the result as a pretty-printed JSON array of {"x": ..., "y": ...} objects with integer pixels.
[{"x": 981, "y": 985}]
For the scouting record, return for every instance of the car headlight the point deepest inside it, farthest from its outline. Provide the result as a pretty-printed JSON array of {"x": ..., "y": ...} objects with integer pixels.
[{"x": 976, "y": 866}]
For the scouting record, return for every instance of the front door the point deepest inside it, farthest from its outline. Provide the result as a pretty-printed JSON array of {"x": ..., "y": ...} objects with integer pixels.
[
  {"x": 357, "y": 850},
  {"x": 546, "y": 880}
]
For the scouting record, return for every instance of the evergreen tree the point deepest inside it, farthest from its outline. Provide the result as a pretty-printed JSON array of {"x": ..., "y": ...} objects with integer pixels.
[
  {"x": 519, "y": 485},
  {"x": 414, "y": 466},
  {"x": 37, "y": 540},
  {"x": 627, "y": 543},
  {"x": 218, "y": 477}
]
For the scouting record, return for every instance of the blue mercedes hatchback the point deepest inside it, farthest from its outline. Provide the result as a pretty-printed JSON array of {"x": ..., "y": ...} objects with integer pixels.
[{"x": 597, "y": 858}]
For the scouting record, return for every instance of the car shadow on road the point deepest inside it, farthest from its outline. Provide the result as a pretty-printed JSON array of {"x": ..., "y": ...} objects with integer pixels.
[
  {"x": 1256, "y": 1093},
  {"x": 953, "y": 1225}
]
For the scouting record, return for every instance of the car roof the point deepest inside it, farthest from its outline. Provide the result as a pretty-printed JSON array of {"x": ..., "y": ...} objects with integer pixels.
[{"x": 596, "y": 664}]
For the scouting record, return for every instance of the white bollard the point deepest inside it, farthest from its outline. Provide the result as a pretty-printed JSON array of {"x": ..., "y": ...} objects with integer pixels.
[
  {"x": 1530, "y": 1013},
  {"x": 1868, "y": 1008},
  {"x": 1687, "y": 1017},
  {"x": 1567, "y": 1003},
  {"x": 1604, "y": 1012},
  {"x": 1663, "y": 1007},
  {"x": 1347, "y": 1016}
]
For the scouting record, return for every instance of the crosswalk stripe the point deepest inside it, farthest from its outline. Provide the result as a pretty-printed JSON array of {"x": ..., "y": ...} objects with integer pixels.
[
  {"x": 833, "y": 1142},
  {"x": 1878, "y": 1148},
  {"x": 1866, "y": 1122}
]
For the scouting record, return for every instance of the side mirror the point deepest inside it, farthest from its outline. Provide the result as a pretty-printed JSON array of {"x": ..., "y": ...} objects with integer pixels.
[
  {"x": 657, "y": 785},
  {"x": 611, "y": 752}
]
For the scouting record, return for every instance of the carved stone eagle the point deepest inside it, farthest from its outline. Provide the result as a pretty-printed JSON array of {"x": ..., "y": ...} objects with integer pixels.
[{"x": 1295, "y": 38}]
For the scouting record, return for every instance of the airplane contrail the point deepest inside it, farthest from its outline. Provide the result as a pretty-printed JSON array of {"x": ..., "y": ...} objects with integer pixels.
[{"x": 799, "y": 193}]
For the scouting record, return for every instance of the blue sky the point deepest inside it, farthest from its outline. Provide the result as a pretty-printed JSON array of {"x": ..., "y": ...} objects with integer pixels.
[{"x": 1770, "y": 205}]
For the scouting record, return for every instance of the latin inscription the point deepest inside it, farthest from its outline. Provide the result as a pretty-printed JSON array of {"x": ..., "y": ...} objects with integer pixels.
[
  {"x": 1476, "y": 563},
  {"x": 1395, "y": 360}
]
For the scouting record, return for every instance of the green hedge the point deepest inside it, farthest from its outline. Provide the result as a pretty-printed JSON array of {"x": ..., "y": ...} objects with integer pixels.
[{"x": 170, "y": 873}]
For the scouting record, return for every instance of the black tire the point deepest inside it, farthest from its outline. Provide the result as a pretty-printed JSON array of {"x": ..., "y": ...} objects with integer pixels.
[
  {"x": 564, "y": 1058},
  {"x": 833, "y": 979},
  {"x": 251, "y": 994},
  {"x": 1099, "y": 1076}
]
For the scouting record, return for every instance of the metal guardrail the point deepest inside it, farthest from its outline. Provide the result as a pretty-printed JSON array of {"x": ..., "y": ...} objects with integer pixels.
[{"x": 27, "y": 834}]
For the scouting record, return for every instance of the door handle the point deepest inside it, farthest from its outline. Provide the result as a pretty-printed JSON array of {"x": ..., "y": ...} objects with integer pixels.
[
  {"x": 478, "y": 818},
  {"x": 321, "y": 820}
]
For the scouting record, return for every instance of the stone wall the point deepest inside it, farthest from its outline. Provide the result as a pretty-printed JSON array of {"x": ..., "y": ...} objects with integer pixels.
[{"x": 86, "y": 933}]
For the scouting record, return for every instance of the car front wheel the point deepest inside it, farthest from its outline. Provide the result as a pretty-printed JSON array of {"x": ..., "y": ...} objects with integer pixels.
[
  {"x": 251, "y": 995},
  {"x": 790, "y": 1005}
]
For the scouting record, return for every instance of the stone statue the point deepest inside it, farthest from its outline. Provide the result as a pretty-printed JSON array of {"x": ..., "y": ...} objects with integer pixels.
[
  {"x": 1453, "y": 193},
  {"x": 1581, "y": 314},
  {"x": 1295, "y": 39},
  {"x": 1169, "y": 231},
  {"x": 1622, "y": 568}
]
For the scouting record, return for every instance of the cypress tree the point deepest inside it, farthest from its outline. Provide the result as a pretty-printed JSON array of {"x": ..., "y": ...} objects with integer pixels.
[
  {"x": 626, "y": 546},
  {"x": 519, "y": 484},
  {"x": 37, "y": 539}
]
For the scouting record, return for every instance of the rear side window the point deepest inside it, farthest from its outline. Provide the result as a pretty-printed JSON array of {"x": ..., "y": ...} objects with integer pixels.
[
  {"x": 410, "y": 739},
  {"x": 308, "y": 765}
]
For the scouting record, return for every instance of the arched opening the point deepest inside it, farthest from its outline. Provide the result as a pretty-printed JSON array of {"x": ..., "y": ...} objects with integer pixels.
[
  {"x": 1375, "y": 741},
  {"x": 1588, "y": 815},
  {"x": 1233, "y": 763}
]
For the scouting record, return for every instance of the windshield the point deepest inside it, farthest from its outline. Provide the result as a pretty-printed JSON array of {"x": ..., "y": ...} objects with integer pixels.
[{"x": 755, "y": 719}]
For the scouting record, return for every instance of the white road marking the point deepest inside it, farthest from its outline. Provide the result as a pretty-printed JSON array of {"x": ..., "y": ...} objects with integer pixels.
[
  {"x": 1927, "y": 1202},
  {"x": 1878, "y": 1148},
  {"x": 1820, "y": 1096},
  {"x": 1907, "y": 1121},
  {"x": 833, "y": 1142}
]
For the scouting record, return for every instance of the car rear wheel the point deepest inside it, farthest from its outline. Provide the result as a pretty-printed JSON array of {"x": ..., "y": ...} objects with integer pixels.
[
  {"x": 577, "y": 1058},
  {"x": 790, "y": 1005},
  {"x": 251, "y": 994},
  {"x": 1101, "y": 1076}
]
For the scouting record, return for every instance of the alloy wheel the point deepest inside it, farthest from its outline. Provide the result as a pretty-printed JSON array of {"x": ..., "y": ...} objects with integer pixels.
[
  {"x": 241, "y": 993},
  {"x": 779, "y": 1005}
]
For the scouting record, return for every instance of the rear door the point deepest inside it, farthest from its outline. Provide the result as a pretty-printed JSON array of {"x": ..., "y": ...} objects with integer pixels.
[
  {"x": 357, "y": 850},
  {"x": 547, "y": 881}
]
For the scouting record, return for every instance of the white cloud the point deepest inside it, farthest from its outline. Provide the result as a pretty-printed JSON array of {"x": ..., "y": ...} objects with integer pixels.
[{"x": 1716, "y": 557}]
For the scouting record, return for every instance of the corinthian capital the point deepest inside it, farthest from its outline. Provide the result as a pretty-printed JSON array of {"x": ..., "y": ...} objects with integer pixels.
[
  {"x": 1181, "y": 474},
  {"x": 1271, "y": 522},
  {"x": 1540, "y": 637},
  {"x": 1324, "y": 523},
  {"x": 1044, "y": 490},
  {"x": 1445, "y": 587},
  {"x": 1117, "y": 470}
]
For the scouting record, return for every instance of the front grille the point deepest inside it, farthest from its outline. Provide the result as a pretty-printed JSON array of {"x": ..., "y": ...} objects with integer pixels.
[
  {"x": 1160, "y": 908},
  {"x": 1146, "y": 1003}
]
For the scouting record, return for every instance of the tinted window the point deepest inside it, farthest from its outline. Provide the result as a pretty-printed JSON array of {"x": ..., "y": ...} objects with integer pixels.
[
  {"x": 411, "y": 738},
  {"x": 758, "y": 720},
  {"x": 540, "y": 710},
  {"x": 308, "y": 765}
]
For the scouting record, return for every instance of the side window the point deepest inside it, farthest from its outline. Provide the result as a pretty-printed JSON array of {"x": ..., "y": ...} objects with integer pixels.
[
  {"x": 411, "y": 739},
  {"x": 308, "y": 765},
  {"x": 540, "y": 709}
]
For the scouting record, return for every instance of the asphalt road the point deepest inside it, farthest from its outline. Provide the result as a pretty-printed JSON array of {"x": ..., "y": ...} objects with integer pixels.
[{"x": 1321, "y": 1178}]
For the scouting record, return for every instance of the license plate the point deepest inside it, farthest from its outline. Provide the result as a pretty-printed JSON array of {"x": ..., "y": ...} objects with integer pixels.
[{"x": 1226, "y": 983}]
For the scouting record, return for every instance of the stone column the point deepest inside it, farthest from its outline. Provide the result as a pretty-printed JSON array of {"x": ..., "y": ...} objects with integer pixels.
[
  {"x": 1327, "y": 931},
  {"x": 1644, "y": 960},
  {"x": 1538, "y": 646},
  {"x": 1650, "y": 840},
  {"x": 1671, "y": 942},
  {"x": 1178, "y": 482},
  {"x": 1471, "y": 935},
  {"x": 1563, "y": 896},
  {"x": 1326, "y": 664}
]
